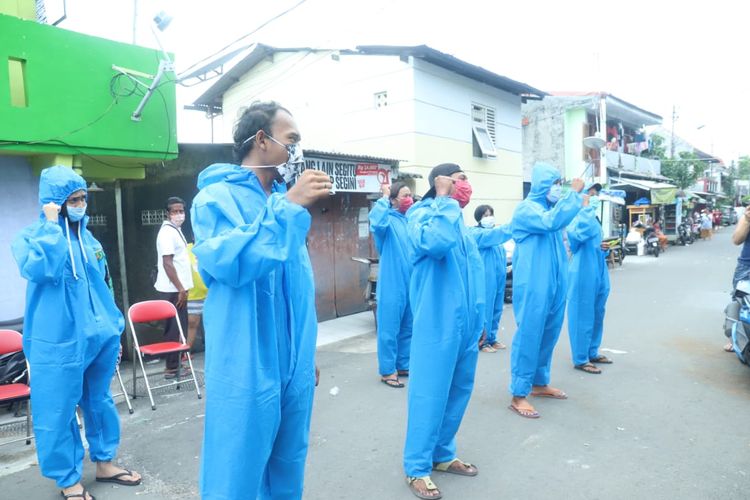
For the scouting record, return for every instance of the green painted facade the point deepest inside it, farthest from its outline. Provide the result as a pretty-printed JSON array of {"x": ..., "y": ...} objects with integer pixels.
[{"x": 57, "y": 103}]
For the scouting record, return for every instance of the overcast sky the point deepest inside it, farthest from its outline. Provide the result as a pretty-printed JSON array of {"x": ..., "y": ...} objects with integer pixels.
[{"x": 648, "y": 53}]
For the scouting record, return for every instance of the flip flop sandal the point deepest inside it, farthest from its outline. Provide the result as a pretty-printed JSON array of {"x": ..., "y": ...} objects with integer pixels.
[
  {"x": 116, "y": 479},
  {"x": 601, "y": 359},
  {"x": 429, "y": 485},
  {"x": 499, "y": 346},
  {"x": 403, "y": 373},
  {"x": 728, "y": 348},
  {"x": 588, "y": 368},
  {"x": 488, "y": 348},
  {"x": 392, "y": 382},
  {"x": 446, "y": 467},
  {"x": 558, "y": 395},
  {"x": 524, "y": 413},
  {"x": 78, "y": 495}
]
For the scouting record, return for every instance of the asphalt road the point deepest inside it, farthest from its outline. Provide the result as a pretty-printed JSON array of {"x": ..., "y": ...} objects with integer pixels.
[{"x": 666, "y": 421}]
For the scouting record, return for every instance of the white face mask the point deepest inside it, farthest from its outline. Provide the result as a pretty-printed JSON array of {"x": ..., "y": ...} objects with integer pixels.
[
  {"x": 555, "y": 193},
  {"x": 487, "y": 221},
  {"x": 177, "y": 219},
  {"x": 294, "y": 163}
]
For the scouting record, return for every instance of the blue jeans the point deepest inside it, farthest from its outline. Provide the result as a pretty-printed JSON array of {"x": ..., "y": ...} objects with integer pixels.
[{"x": 741, "y": 272}]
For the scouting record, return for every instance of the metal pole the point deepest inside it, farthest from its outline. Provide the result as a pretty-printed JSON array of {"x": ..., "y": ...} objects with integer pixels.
[
  {"x": 671, "y": 142},
  {"x": 135, "y": 19},
  {"x": 123, "y": 268},
  {"x": 121, "y": 247}
]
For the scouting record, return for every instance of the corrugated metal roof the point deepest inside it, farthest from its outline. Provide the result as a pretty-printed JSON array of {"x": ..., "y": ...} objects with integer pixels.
[
  {"x": 347, "y": 156},
  {"x": 642, "y": 184},
  {"x": 259, "y": 52}
]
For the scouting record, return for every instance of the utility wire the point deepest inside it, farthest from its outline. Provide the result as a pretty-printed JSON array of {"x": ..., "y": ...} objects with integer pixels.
[{"x": 277, "y": 16}]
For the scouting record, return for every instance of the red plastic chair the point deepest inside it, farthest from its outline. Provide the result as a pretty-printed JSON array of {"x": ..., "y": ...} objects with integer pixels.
[
  {"x": 11, "y": 341},
  {"x": 157, "y": 310}
]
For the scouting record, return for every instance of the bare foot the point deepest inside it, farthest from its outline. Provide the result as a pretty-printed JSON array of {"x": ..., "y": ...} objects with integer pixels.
[
  {"x": 729, "y": 347},
  {"x": 499, "y": 346},
  {"x": 76, "y": 489},
  {"x": 108, "y": 469},
  {"x": 546, "y": 391}
]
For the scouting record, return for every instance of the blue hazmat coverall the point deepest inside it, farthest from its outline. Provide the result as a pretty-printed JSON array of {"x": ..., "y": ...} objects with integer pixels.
[
  {"x": 540, "y": 268},
  {"x": 588, "y": 287},
  {"x": 447, "y": 298},
  {"x": 490, "y": 243},
  {"x": 261, "y": 327},
  {"x": 388, "y": 226},
  {"x": 71, "y": 335}
]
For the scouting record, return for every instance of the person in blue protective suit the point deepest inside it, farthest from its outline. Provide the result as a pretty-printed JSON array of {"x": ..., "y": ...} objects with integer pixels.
[
  {"x": 259, "y": 315},
  {"x": 388, "y": 226},
  {"x": 447, "y": 298},
  {"x": 588, "y": 286},
  {"x": 490, "y": 241},
  {"x": 539, "y": 284},
  {"x": 71, "y": 337}
]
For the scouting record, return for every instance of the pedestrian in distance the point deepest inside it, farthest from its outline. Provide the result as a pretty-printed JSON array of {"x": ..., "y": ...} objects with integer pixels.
[
  {"x": 174, "y": 278},
  {"x": 588, "y": 285},
  {"x": 394, "y": 318},
  {"x": 259, "y": 315},
  {"x": 490, "y": 239},
  {"x": 447, "y": 298},
  {"x": 540, "y": 272},
  {"x": 71, "y": 337}
]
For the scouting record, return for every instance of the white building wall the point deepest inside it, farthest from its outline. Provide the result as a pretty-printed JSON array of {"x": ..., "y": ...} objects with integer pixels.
[
  {"x": 19, "y": 207},
  {"x": 427, "y": 119},
  {"x": 333, "y": 100},
  {"x": 443, "y": 133}
]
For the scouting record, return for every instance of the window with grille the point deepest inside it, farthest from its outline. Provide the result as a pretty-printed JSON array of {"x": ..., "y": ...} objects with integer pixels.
[
  {"x": 153, "y": 217},
  {"x": 381, "y": 99},
  {"x": 483, "y": 131}
]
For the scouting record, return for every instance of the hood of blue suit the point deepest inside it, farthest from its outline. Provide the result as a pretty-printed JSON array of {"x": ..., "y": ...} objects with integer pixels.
[
  {"x": 229, "y": 172},
  {"x": 57, "y": 183},
  {"x": 543, "y": 176}
]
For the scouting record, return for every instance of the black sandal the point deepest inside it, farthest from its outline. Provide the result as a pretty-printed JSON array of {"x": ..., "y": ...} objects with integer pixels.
[
  {"x": 392, "y": 382},
  {"x": 116, "y": 479},
  {"x": 588, "y": 368},
  {"x": 82, "y": 494},
  {"x": 601, "y": 359}
]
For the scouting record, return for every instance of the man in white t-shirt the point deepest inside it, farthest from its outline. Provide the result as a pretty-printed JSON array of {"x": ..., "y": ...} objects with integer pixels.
[{"x": 174, "y": 278}]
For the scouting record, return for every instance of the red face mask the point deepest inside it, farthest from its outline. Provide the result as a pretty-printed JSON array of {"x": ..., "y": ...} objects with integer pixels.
[
  {"x": 405, "y": 204},
  {"x": 462, "y": 192}
]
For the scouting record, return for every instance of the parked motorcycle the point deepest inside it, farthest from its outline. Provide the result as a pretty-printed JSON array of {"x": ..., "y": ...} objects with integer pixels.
[
  {"x": 737, "y": 321},
  {"x": 652, "y": 241},
  {"x": 684, "y": 233},
  {"x": 508, "y": 295},
  {"x": 370, "y": 294},
  {"x": 615, "y": 247}
]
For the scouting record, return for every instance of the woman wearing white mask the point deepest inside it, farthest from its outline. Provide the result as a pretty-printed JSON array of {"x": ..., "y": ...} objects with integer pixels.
[
  {"x": 174, "y": 277},
  {"x": 490, "y": 241}
]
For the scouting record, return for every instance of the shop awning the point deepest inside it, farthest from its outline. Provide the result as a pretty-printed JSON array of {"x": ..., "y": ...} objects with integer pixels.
[
  {"x": 661, "y": 192},
  {"x": 616, "y": 196}
]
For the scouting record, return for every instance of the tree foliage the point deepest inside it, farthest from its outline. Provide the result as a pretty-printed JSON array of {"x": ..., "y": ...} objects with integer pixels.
[
  {"x": 743, "y": 168},
  {"x": 684, "y": 170},
  {"x": 657, "y": 149}
]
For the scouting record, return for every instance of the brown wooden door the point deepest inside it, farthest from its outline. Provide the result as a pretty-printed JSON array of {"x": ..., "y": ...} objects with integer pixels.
[
  {"x": 320, "y": 247},
  {"x": 352, "y": 239}
]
